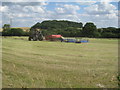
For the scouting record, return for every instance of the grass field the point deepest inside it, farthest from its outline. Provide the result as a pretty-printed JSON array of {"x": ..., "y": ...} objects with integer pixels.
[{"x": 43, "y": 64}]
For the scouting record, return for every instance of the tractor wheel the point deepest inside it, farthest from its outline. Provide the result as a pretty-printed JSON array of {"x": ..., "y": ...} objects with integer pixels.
[
  {"x": 40, "y": 39},
  {"x": 34, "y": 39},
  {"x": 29, "y": 39}
]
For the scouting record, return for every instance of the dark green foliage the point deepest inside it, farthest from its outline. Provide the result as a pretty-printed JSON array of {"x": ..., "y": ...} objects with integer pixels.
[
  {"x": 74, "y": 29},
  {"x": 17, "y": 32},
  {"x": 90, "y": 30},
  {"x": 6, "y": 30},
  {"x": 13, "y": 32},
  {"x": 37, "y": 25},
  {"x": 65, "y": 28},
  {"x": 110, "y": 32},
  {"x": 50, "y": 24},
  {"x": 26, "y": 34},
  {"x": 96, "y": 34},
  {"x": 6, "y": 27},
  {"x": 109, "y": 35}
]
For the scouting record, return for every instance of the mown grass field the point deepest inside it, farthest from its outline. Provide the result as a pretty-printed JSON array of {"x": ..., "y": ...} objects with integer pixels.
[{"x": 43, "y": 64}]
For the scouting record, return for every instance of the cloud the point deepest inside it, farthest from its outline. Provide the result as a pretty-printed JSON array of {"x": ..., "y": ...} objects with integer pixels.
[
  {"x": 103, "y": 13},
  {"x": 44, "y": 3},
  {"x": 24, "y": 0},
  {"x": 102, "y": 8},
  {"x": 22, "y": 15},
  {"x": 24, "y": 7},
  {"x": 34, "y": 9},
  {"x": 66, "y": 12},
  {"x": 99, "y": 20},
  {"x": 59, "y": 0},
  {"x": 103, "y": 16},
  {"x": 4, "y": 9},
  {"x": 87, "y": 3},
  {"x": 67, "y": 9}
]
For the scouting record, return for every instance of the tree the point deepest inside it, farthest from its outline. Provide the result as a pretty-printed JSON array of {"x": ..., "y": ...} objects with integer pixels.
[
  {"x": 56, "y": 24},
  {"x": 16, "y": 32},
  {"x": 90, "y": 30},
  {"x": 109, "y": 35},
  {"x": 6, "y": 27},
  {"x": 110, "y": 32}
]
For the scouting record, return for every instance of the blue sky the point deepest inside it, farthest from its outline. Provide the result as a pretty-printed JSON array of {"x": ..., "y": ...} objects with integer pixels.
[{"x": 26, "y": 14}]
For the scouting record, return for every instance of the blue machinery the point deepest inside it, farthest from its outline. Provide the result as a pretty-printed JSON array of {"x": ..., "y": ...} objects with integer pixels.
[{"x": 75, "y": 40}]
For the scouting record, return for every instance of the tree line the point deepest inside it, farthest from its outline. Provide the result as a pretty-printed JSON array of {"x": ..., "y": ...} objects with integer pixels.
[
  {"x": 7, "y": 31},
  {"x": 66, "y": 29}
]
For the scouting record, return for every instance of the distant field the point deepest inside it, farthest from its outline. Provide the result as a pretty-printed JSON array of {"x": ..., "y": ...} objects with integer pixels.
[
  {"x": 43, "y": 64},
  {"x": 24, "y": 28},
  {"x": 0, "y": 29}
]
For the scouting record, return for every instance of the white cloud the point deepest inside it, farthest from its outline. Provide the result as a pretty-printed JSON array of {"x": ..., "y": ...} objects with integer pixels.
[
  {"x": 66, "y": 17},
  {"x": 24, "y": 0},
  {"x": 4, "y": 8},
  {"x": 99, "y": 20},
  {"x": 103, "y": 14},
  {"x": 33, "y": 9},
  {"x": 22, "y": 15},
  {"x": 67, "y": 9},
  {"x": 44, "y": 3},
  {"x": 66, "y": 12},
  {"x": 60, "y": 10},
  {"x": 87, "y": 3},
  {"x": 102, "y": 8}
]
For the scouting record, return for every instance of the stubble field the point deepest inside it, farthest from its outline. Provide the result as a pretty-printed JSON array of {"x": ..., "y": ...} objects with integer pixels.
[{"x": 44, "y": 64}]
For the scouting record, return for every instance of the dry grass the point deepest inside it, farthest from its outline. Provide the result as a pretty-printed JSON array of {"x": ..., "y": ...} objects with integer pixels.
[{"x": 59, "y": 65}]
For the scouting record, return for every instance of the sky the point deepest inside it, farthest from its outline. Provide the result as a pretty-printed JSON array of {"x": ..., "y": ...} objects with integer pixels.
[{"x": 26, "y": 14}]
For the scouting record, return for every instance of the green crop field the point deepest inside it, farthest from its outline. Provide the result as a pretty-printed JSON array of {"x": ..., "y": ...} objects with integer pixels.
[{"x": 44, "y": 64}]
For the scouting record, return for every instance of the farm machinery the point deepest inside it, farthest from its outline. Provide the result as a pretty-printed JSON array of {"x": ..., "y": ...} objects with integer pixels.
[
  {"x": 71, "y": 40},
  {"x": 35, "y": 34}
]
